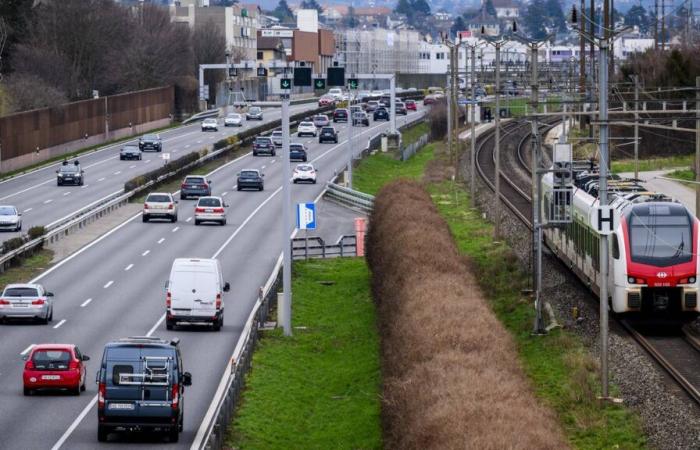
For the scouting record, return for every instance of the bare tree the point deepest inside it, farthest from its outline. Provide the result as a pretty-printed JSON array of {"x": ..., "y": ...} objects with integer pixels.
[
  {"x": 209, "y": 47},
  {"x": 30, "y": 92}
]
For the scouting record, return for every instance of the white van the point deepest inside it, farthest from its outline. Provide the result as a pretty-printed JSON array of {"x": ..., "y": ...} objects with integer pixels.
[
  {"x": 194, "y": 293},
  {"x": 336, "y": 93}
]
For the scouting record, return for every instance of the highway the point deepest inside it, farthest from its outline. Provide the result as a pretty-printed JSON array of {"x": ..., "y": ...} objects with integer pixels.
[
  {"x": 41, "y": 202},
  {"x": 114, "y": 288}
]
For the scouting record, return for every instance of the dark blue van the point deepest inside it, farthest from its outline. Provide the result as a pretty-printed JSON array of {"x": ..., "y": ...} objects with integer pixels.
[{"x": 141, "y": 383}]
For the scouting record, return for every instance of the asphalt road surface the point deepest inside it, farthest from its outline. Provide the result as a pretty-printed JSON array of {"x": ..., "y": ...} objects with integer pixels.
[{"x": 114, "y": 288}]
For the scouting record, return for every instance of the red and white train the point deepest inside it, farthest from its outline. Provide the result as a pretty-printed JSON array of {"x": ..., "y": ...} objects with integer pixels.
[{"x": 653, "y": 252}]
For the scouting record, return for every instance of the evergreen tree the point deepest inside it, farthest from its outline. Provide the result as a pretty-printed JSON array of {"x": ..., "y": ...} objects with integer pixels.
[
  {"x": 458, "y": 26},
  {"x": 311, "y": 4},
  {"x": 282, "y": 11},
  {"x": 535, "y": 19},
  {"x": 557, "y": 20},
  {"x": 490, "y": 9},
  {"x": 637, "y": 16}
]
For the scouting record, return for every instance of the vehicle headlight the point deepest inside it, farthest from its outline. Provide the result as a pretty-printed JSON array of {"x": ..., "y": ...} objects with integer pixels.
[
  {"x": 691, "y": 280},
  {"x": 60, "y": 175}
]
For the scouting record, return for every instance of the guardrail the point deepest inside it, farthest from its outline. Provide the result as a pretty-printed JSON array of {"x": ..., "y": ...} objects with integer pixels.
[
  {"x": 212, "y": 432},
  {"x": 202, "y": 115},
  {"x": 315, "y": 247},
  {"x": 350, "y": 197},
  {"x": 413, "y": 147}
]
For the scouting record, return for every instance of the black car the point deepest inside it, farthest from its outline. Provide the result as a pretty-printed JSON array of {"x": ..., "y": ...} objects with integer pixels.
[
  {"x": 360, "y": 118},
  {"x": 400, "y": 108},
  {"x": 250, "y": 179},
  {"x": 340, "y": 115},
  {"x": 297, "y": 152},
  {"x": 129, "y": 152},
  {"x": 150, "y": 142},
  {"x": 195, "y": 186},
  {"x": 254, "y": 113},
  {"x": 328, "y": 134},
  {"x": 141, "y": 384},
  {"x": 70, "y": 174},
  {"x": 263, "y": 144},
  {"x": 381, "y": 114}
]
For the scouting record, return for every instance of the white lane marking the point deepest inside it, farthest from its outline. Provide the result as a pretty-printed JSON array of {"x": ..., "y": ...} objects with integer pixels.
[
  {"x": 155, "y": 327},
  {"x": 145, "y": 253},
  {"x": 132, "y": 167},
  {"x": 175, "y": 229},
  {"x": 117, "y": 172},
  {"x": 46, "y": 202},
  {"x": 262, "y": 167},
  {"x": 147, "y": 161},
  {"x": 85, "y": 207},
  {"x": 127, "y": 268},
  {"x": 66, "y": 193},
  {"x": 188, "y": 219},
  {"x": 273, "y": 161},
  {"x": 85, "y": 303},
  {"x": 188, "y": 146},
  {"x": 27, "y": 350},
  {"x": 109, "y": 283},
  {"x": 84, "y": 186},
  {"x": 223, "y": 194},
  {"x": 59, "y": 324},
  {"x": 160, "y": 241},
  {"x": 101, "y": 179},
  {"x": 199, "y": 142},
  {"x": 75, "y": 424},
  {"x": 28, "y": 209},
  {"x": 27, "y": 189}
]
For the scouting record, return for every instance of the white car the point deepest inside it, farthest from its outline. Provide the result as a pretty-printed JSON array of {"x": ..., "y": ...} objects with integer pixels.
[
  {"x": 160, "y": 205},
  {"x": 210, "y": 209},
  {"x": 336, "y": 93},
  {"x": 304, "y": 172},
  {"x": 233, "y": 120},
  {"x": 210, "y": 124},
  {"x": 306, "y": 129},
  {"x": 10, "y": 218},
  {"x": 377, "y": 93}
]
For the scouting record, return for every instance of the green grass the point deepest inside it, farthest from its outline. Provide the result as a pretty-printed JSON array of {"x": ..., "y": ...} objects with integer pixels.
[
  {"x": 661, "y": 163},
  {"x": 320, "y": 388},
  {"x": 563, "y": 373},
  {"x": 411, "y": 135},
  {"x": 27, "y": 269},
  {"x": 377, "y": 170},
  {"x": 682, "y": 175},
  {"x": 78, "y": 152}
]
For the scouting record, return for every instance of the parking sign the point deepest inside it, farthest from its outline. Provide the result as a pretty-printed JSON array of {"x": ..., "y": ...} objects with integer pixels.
[{"x": 306, "y": 216}]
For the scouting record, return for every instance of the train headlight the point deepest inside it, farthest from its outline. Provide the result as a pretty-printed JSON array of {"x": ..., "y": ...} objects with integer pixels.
[
  {"x": 634, "y": 280},
  {"x": 630, "y": 280},
  {"x": 691, "y": 280}
]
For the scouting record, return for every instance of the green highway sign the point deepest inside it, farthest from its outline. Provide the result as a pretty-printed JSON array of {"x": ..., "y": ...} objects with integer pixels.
[
  {"x": 353, "y": 83},
  {"x": 286, "y": 83},
  {"x": 319, "y": 83}
]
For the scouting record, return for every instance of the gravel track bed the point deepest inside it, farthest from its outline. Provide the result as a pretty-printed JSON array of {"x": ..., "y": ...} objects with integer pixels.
[{"x": 670, "y": 419}]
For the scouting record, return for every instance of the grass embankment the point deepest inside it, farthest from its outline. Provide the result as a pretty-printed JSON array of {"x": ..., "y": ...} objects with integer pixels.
[
  {"x": 563, "y": 374},
  {"x": 668, "y": 162},
  {"x": 318, "y": 389},
  {"x": 412, "y": 134},
  {"x": 28, "y": 268}
]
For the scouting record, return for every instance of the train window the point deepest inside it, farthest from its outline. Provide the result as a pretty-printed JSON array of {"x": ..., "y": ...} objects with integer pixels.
[
  {"x": 660, "y": 235},
  {"x": 615, "y": 247}
]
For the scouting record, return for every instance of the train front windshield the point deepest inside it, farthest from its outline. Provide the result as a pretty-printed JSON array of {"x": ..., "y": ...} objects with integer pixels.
[{"x": 660, "y": 235}]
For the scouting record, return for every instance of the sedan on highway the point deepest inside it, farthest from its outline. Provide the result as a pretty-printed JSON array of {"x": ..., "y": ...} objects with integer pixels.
[
  {"x": 254, "y": 113},
  {"x": 195, "y": 186},
  {"x": 400, "y": 109},
  {"x": 411, "y": 105},
  {"x": 321, "y": 120},
  {"x": 54, "y": 366},
  {"x": 297, "y": 152},
  {"x": 210, "y": 124},
  {"x": 250, "y": 179},
  {"x": 129, "y": 152},
  {"x": 26, "y": 301},
  {"x": 160, "y": 205},
  {"x": 233, "y": 120},
  {"x": 381, "y": 114},
  {"x": 360, "y": 118},
  {"x": 372, "y": 106},
  {"x": 150, "y": 142},
  {"x": 276, "y": 137},
  {"x": 326, "y": 100},
  {"x": 304, "y": 173},
  {"x": 306, "y": 129},
  {"x": 263, "y": 144},
  {"x": 340, "y": 115},
  {"x": 210, "y": 209},
  {"x": 70, "y": 174},
  {"x": 328, "y": 134},
  {"x": 11, "y": 218}
]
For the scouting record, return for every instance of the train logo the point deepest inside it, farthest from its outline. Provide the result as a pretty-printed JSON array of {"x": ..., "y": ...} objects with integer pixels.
[{"x": 662, "y": 275}]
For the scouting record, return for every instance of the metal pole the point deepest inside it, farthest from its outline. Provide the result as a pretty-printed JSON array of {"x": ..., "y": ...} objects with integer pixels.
[
  {"x": 636, "y": 127},
  {"x": 350, "y": 149},
  {"x": 603, "y": 201},
  {"x": 582, "y": 64},
  {"x": 286, "y": 307},
  {"x": 497, "y": 219},
  {"x": 392, "y": 111},
  {"x": 448, "y": 104},
  {"x": 539, "y": 327},
  {"x": 472, "y": 171},
  {"x": 697, "y": 145}
]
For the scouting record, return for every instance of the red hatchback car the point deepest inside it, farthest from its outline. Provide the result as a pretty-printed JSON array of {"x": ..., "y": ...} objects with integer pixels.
[
  {"x": 54, "y": 366},
  {"x": 411, "y": 105}
]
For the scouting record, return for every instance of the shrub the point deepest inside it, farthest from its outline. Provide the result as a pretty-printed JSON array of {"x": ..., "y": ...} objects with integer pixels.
[
  {"x": 438, "y": 120},
  {"x": 153, "y": 175},
  {"x": 12, "y": 244},
  {"x": 451, "y": 373},
  {"x": 36, "y": 231}
]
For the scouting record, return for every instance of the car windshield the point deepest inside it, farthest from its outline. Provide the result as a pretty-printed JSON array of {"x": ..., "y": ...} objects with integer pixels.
[
  {"x": 341, "y": 111},
  {"x": 320, "y": 118},
  {"x": 262, "y": 140},
  {"x": 305, "y": 168},
  {"x": 277, "y": 133},
  {"x": 20, "y": 292},
  {"x": 234, "y": 116},
  {"x": 69, "y": 168},
  {"x": 359, "y": 115},
  {"x": 209, "y": 120},
  {"x": 249, "y": 174},
  {"x": 194, "y": 180},
  {"x": 7, "y": 211},
  {"x": 660, "y": 235},
  {"x": 150, "y": 137},
  {"x": 130, "y": 148},
  {"x": 209, "y": 202},
  {"x": 327, "y": 130},
  {"x": 254, "y": 110},
  {"x": 158, "y": 198},
  {"x": 54, "y": 359},
  {"x": 306, "y": 124}
]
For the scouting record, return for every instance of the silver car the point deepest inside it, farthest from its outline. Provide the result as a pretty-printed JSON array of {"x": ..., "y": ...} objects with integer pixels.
[
  {"x": 160, "y": 205},
  {"x": 210, "y": 209},
  {"x": 10, "y": 218},
  {"x": 26, "y": 301},
  {"x": 210, "y": 124},
  {"x": 277, "y": 138},
  {"x": 233, "y": 120}
]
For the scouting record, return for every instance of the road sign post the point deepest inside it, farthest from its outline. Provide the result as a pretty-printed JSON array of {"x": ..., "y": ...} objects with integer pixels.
[
  {"x": 319, "y": 84},
  {"x": 306, "y": 220},
  {"x": 352, "y": 85},
  {"x": 285, "y": 309}
]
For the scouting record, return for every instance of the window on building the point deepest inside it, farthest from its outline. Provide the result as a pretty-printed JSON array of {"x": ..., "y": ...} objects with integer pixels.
[{"x": 260, "y": 55}]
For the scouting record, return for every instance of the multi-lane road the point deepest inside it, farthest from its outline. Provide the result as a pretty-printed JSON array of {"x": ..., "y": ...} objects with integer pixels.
[
  {"x": 41, "y": 202},
  {"x": 114, "y": 288}
]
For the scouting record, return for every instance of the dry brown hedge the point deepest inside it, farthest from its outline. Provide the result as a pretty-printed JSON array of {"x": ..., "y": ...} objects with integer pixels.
[{"x": 451, "y": 374}]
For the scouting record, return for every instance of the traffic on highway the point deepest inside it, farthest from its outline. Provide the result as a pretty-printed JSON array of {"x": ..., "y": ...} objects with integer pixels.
[{"x": 136, "y": 328}]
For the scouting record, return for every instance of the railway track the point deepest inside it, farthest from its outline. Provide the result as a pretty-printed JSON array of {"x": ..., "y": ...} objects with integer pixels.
[{"x": 675, "y": 348}]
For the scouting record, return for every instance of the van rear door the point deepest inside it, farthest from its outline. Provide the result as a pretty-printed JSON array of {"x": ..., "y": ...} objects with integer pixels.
[
  {"x": 182, "y": 282},
  {"x": 205, "y": 291}
]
